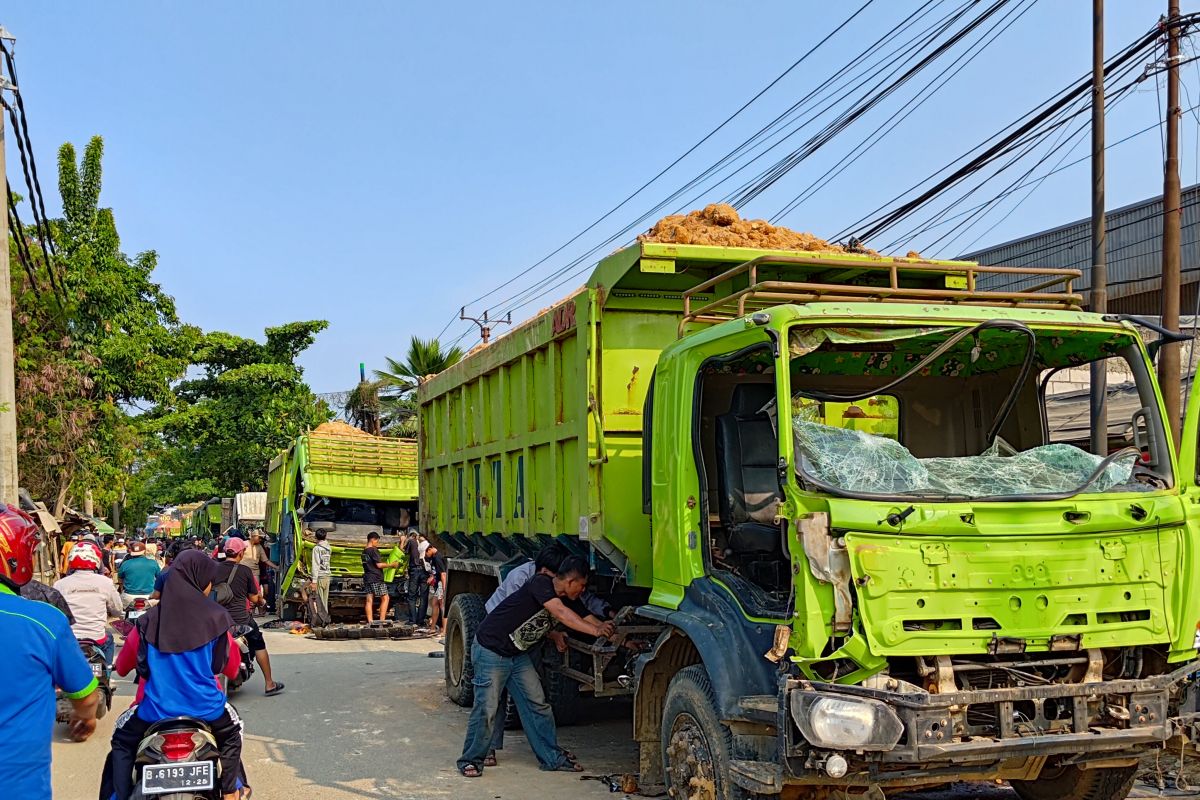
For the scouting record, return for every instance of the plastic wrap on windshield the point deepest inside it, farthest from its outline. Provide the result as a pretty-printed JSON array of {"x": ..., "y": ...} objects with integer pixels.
[{"x": 861, "y": 462}]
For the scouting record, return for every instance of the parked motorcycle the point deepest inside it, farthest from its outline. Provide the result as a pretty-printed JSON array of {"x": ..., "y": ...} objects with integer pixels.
[
  {"x": 177, "y": 759},
  {"x": 95, "y": 658}
]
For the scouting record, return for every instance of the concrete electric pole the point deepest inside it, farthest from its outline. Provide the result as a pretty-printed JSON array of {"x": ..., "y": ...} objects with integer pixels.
[
  {"x": 8, "y": 384},
  {"x": 1168, "y": 359},
  {"x": 1099, "y": 280}
]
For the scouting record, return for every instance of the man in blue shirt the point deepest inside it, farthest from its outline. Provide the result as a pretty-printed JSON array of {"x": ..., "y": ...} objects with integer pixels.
[
  {"x": 40, "y": 653},
  {"x": 137, "y": 573}
]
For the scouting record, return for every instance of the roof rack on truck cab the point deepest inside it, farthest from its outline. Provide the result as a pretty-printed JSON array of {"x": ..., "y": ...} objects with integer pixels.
[{"x": 812, "y": 277}]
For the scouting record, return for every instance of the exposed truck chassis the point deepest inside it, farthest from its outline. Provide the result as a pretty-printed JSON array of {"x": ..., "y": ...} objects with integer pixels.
[
  {"x": 1096, "y": 731},
  {"x": 1092, "y": 723}
]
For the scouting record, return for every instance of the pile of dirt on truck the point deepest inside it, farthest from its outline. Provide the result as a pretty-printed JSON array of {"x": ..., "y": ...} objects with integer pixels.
[
  {"x": 719, "y": 224},
  {"x": 338, "y": 428}
]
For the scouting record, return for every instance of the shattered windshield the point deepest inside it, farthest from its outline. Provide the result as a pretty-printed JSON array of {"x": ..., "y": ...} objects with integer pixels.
[{"x": 960, "y": 412}]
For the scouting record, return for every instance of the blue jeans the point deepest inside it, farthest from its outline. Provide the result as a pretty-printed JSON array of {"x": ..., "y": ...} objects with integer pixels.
[
  {"x": 109, "y": 648},
  {"x": 493, "y": 674}
]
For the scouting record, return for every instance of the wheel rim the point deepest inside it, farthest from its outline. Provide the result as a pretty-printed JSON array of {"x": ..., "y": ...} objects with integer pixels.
[
  {"x": 690, "y": 767},
  {"x": 454, "y": 654}
]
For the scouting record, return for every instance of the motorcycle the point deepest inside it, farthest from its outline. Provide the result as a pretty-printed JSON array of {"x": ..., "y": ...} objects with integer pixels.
[
  {"x": 140, "y": 605},
  {"x": 98, "y": 663},
  {"x": 247, "y": 660},
  {"x": 177, "y": 759}
]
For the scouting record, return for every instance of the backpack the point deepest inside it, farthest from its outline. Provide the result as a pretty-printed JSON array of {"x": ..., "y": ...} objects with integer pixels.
[{"x": 223, "y": 592}]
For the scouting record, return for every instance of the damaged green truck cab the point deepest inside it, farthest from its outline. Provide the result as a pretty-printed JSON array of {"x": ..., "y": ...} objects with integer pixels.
[{"x": 872, "y": 552}]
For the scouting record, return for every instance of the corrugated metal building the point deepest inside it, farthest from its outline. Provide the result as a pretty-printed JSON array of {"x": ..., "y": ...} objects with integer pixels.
[{"x": 1134, "y": 244}]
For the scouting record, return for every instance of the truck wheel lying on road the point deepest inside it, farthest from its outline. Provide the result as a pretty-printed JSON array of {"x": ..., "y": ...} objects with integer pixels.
[
  {"x": 696, "y": 747},
  {"x": 466, "y": 612},
  {"x": 289, "y": 612},
  {"x": 1073, "y": 783}
]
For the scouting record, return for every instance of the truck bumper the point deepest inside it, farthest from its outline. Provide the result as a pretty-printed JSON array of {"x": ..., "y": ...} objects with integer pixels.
[{"x": 977, "y": 735}]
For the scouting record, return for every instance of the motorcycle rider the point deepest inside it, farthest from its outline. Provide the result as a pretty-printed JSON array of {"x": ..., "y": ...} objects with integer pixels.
[
  {"x": 137, "y": 574},
  {"x": 39, "y": 654},
  {"x": 178, "y": 648},
  {"x": 92, "y": 597}
]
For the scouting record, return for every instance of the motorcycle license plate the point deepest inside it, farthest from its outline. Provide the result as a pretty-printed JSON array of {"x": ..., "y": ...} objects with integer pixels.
[
  {"x": 134, "y": 614},
  {"x": 168, "y": 778},
  {"x": 97, "y": 670}
]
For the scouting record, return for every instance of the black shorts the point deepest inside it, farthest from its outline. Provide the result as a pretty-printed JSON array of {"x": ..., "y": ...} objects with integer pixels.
[
  {"x": 254, "y": 638},
  {"x": 376, "y": 588}
]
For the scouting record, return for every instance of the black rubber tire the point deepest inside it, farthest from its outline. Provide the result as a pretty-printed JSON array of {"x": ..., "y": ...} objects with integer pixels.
[
  {"x": 1073, "y": 783},
  {"x": 104, "y": 704},
  {"x": 512, "y": 718},
  {"x": 696, "y": 748},
  {"x": 290, "y": 612},
  {"x": 562, "y": 693},
  {"x": 466, "y": 612}
]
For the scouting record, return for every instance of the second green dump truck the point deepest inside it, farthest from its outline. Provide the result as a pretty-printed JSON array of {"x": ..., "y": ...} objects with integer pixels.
[
  {"x": 347, "y": 483},
  {"x": 848, "y": 547}
]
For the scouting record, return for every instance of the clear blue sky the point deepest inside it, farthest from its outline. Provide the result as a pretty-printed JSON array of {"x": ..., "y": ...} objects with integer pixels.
[{"x": 377, "y": 164}]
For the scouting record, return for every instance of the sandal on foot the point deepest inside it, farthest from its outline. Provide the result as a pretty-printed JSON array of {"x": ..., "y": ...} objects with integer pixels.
[
  {"x": 275, "y": 690},
  {"x": 569, "y": 766},
  {"x": 470, "y": 771},
  {"x": 490, "y": 759}
]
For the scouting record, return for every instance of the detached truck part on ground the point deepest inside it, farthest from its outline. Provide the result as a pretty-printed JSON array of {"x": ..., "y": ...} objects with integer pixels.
[
  {"x": 348, "y": 484},
  {"x": 849, "y": 549}
]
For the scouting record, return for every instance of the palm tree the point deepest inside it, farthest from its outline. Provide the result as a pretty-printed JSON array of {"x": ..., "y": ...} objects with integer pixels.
[
  {"x": 364, "y": 407},
  {"x": 425, "y": 357}
]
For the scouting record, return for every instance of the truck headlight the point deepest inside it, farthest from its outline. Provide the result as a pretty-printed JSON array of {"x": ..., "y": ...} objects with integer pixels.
[{"x": 846, "y": 723}]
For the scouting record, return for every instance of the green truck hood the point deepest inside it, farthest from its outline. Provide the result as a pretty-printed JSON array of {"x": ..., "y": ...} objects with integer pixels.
[{"x": 924, "y": 594}]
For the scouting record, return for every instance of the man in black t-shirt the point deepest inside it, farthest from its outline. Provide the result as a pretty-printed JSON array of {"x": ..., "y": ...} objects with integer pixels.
[
  {"x": 244, "y": 595},
  {"x": 373, "y": 566},
  {"x": 437, "y": 590},
  {"x": 501, "y": 661},
  {"x": 416, "y": 589}
]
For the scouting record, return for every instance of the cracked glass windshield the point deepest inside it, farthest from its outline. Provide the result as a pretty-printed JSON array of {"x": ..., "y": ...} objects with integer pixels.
[{"x": 992, "y": 411}]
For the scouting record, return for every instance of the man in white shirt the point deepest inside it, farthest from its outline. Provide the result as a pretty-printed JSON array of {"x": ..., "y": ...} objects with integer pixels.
[{"x": 92, "y": 597}]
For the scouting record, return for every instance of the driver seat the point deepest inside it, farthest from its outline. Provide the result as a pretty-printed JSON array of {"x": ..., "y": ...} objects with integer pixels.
[{"x": 748, "y": 473}]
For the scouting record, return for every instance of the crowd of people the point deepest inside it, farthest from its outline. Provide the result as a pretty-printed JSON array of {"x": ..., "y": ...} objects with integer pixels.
[{"x": 193, "y": 598}]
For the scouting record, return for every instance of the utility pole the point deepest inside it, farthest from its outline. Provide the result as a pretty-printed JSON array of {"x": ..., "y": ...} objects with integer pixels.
[
  {"x": 485, "y": 324},
  {"x": 1099, "y": 281},
  {"x": 8, "y": 380},
  {"x": 1168, "y": 358}
]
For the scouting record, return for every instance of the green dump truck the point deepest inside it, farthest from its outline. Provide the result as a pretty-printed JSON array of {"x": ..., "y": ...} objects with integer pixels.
[
  {"x": 849, "y": 549},
  {"x": 349, "y": 484}
]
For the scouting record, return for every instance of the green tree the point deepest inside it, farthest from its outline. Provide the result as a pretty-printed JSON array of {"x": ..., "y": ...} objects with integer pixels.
[
  {"x": 222, "y": 428},
  {"x": 425, "y": 357},
  {"x": 94, "y": 336}
]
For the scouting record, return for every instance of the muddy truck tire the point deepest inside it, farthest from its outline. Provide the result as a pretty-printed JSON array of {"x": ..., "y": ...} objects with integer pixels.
[
  {"x": 466, "y": 612},
  {"x": 562, "y": 691},
  {"x": 697, "y": 748},
  {"x": 1073, "y": 783}
]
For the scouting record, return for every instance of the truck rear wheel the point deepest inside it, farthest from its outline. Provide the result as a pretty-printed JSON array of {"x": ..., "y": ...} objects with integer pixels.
[
  {"x": 697, "y": 748},
  {"x": 562, "y": 693},
  {"x": 1073, "y": 783},
  {"x": 466, "y": 612}
]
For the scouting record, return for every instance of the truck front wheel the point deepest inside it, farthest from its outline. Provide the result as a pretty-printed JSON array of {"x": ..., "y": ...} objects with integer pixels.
[
  {"x": 466, "y": 612},
  {"x": 697, "y": 748},
  {"x": 1073, "y": 783}
]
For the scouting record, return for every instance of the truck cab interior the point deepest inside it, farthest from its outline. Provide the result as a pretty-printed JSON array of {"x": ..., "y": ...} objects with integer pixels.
[{"x": 738, "y": 458}]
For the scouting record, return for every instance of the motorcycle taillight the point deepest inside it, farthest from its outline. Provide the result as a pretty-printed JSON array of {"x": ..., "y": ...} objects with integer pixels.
[
  {"x": 140, "y": 603},
  {"x": 177, "y": 746}
]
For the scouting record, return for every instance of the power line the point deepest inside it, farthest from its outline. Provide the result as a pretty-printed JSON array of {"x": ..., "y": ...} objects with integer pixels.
[{"x": 680, "y": 158}]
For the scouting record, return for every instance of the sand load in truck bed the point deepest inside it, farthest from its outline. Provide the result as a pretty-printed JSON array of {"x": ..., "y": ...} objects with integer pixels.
[{"x": 719, "y": 224}]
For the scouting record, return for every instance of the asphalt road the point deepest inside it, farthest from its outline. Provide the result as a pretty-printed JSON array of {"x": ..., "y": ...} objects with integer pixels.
[
  {"x": 362, "y": 720},
  {"x": 365, "y": 720}
]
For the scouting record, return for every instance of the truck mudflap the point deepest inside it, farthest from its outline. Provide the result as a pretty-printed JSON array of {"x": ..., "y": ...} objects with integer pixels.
[{"x": 875, "y": 737}]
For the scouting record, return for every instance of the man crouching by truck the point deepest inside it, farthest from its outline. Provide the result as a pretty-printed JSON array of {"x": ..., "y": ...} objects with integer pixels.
[{"x": 501, "y": 659}]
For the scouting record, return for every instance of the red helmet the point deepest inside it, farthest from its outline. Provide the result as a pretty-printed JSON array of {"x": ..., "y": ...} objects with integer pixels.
[
  {"x": 85, "y": 555},
  {"x": 19, "y": 536}
]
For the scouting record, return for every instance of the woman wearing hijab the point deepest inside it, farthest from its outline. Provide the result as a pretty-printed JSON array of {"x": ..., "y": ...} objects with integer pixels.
[{"x": 178, "y": 648}]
